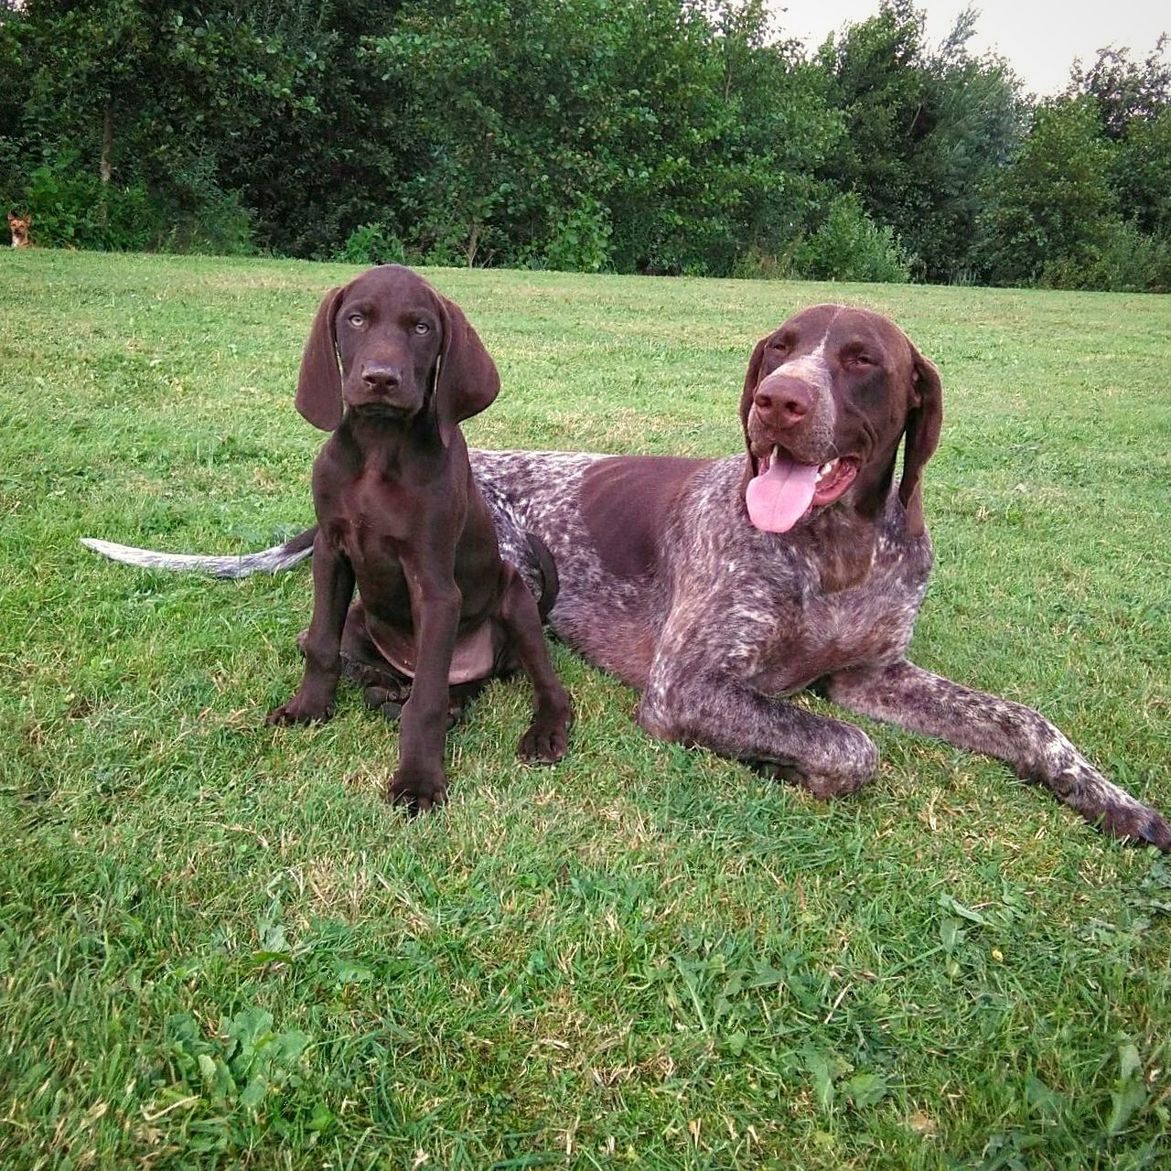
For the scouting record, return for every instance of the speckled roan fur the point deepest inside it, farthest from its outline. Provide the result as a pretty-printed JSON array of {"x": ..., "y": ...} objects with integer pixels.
[
  {"x": 728, "y": 621},
  {"x": 712, "y": 643},
  {"x": 716, "y": 623}
]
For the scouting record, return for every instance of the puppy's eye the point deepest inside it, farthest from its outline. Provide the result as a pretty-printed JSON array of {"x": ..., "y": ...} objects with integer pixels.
[
  {"x": 357, "y": 320},
  {"x": 422, "y": 328}
]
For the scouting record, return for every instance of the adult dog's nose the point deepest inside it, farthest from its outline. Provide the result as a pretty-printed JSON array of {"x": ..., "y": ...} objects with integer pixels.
[{"x": 782, "y": 402}]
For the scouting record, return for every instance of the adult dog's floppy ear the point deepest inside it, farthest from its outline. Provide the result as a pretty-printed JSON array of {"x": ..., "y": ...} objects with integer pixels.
[
  {"x": 467, "y": 380},
  {"x": 319, "y": 385},
  {"x": 751, "y": 378},
  {"x": 924, "y": 419}
]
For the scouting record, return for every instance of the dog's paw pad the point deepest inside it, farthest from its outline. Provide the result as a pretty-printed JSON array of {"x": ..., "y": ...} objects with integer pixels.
[{"x": 543, "y": 745}]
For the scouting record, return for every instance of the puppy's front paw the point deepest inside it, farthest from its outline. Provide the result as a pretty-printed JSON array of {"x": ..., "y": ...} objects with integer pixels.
[
  {"x": 418, "y": 789},
  {"x": 298, "y": 711},
  {"x": 547, "y": 738},
  {"x": 545, "y": 742}
]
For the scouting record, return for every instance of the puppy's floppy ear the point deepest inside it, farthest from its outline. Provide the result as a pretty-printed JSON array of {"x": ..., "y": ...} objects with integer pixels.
[
  {"x": 751, "y": 378},
  {"x": 924, "y": 419},
  {"x": 319, "y": 385},
  {"x": 467, "y": 380}
]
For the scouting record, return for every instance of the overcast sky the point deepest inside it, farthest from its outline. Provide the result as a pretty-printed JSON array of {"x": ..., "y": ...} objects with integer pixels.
[{"x": 1040, "y": 40}]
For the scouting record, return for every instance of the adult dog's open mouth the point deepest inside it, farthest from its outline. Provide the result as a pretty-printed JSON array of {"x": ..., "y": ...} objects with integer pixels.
[{"x": 785, "y": 490}]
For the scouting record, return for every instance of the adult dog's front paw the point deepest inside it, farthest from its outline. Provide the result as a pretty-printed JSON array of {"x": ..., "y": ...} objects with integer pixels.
[
  {"x": 846, "y": 761},
  {"x": 418, "y": 789}
]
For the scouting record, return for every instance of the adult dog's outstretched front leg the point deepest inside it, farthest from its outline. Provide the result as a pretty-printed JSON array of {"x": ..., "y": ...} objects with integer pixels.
[
  {"x": 547, "y": 737},
  {"x": 333, "y": 587},
  {"x": 907, "y": 695},
  {"x": 716, "y": 710}
]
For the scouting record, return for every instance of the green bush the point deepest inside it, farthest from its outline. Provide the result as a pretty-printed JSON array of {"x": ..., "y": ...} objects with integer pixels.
[
  {"x": 758, "y": 265},
  {"x": 1122, "y": 259},
  {"x": 65, "y": 205},
  {"x": 74, "y": 209},
  {"x": 581, "y": 241},
  {"x": 850, "y": 246},
  {"x": 373, "y": 244}
]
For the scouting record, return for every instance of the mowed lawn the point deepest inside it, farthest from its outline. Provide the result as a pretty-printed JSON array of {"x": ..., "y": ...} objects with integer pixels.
[{"x": 219, "y": 947}]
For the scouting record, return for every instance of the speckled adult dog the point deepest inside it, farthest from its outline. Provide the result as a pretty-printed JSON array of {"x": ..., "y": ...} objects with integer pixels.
[{"x": 719, "y": 588}]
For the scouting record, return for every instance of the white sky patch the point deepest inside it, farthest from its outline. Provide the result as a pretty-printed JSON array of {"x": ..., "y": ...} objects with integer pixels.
[{"x": 1039, "y": 40}]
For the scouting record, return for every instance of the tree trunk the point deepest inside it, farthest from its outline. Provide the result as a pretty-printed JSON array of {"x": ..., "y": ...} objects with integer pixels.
[{"x": 104, "y": 169}]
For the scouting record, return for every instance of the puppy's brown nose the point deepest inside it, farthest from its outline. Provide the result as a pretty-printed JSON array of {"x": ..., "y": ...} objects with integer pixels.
[
  {"x": 782, "y": 402},
  {"x": 381, "y": 379}
]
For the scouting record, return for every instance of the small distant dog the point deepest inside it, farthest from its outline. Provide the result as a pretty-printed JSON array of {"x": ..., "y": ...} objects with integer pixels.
[{"x": 19, "y": 227}]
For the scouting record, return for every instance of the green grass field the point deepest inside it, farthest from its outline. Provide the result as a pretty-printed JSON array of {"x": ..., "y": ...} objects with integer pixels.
[{"x": 218, "y": 947}]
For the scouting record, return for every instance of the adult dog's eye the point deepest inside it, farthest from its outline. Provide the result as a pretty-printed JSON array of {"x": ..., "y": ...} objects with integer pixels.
[
  {"x": 422, "y": 328},
  {"x": 357, "y": 320}
]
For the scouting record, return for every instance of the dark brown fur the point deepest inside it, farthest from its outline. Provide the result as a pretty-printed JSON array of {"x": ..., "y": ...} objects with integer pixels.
[{"x": 399, "y": 515}]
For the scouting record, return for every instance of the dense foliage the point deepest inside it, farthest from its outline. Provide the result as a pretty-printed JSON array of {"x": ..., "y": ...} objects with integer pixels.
[{"x": 667, "y": 136}]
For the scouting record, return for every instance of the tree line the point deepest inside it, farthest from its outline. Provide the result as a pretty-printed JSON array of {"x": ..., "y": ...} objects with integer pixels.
[{"x": 652, "y": 136}]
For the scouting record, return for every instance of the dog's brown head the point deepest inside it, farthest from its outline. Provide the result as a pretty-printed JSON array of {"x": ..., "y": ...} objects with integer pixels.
[
  {"x": 20, "y": 227},
  {"x": 387, "y": 345},
  {"x": 827, "y": 398}
]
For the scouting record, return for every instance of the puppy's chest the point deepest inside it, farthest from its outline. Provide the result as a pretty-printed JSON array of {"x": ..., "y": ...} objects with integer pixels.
[{"x": 374, "y": 521}]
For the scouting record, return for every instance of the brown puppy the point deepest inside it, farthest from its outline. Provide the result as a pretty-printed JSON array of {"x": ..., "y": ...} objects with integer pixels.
[{"x": 391, "y": 368}]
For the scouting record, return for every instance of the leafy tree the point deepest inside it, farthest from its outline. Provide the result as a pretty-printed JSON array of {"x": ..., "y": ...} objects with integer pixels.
[
  {"x": 634, "y": 134},
  {"x": 189, "y": 113},
  {"x": 1142, "y": 174},
  {"x": 976, "y": 118},
  {"x": 1122, "y": 90},
  {"x": 1133, "y": 103},
  {"x": 926, "y": 131},
  {"x": 880, "y": 88},
  {"x": 1055, "y": 204},
  {"x": 780, "y": 130}
]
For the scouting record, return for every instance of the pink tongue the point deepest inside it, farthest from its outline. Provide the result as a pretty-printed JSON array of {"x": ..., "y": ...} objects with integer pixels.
[{"x": 780, "y": 497}]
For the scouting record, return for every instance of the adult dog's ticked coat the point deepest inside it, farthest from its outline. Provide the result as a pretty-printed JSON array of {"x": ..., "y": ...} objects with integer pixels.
[{"x": 718, "y": 588}]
